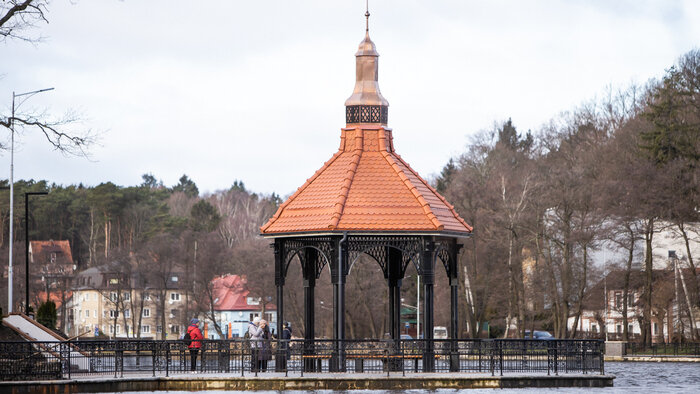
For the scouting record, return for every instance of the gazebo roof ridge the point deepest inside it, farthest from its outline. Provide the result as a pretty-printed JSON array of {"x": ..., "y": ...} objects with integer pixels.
[{"x": 365, "y": 186}]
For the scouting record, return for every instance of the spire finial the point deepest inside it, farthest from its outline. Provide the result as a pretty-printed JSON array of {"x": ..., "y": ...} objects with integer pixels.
[
  {"x": 367, "y": 16},
  {"x": 366, "y": 105}
]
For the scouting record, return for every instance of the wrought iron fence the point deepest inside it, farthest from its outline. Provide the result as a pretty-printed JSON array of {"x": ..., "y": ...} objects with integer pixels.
[
  {"x": 119, "y": 358},
  {"x": 689, "y": 349}
]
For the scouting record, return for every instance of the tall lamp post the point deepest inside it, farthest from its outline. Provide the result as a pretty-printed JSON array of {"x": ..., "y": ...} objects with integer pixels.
[
  {"x": 26, "y": 96},
  {"x": 26, "y": 248}
]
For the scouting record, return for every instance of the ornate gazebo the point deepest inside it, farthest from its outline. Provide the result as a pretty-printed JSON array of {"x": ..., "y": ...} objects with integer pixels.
[{"x": 367, "y": 200}]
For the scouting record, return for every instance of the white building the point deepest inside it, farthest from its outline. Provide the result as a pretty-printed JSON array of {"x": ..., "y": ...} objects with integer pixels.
[{"x": 235, "y": 308}]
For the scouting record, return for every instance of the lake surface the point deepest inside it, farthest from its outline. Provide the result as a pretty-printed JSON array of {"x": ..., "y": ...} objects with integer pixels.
[{"x": 630, "y": 377}]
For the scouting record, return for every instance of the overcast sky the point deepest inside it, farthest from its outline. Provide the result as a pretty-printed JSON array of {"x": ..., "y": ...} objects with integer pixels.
[{"x": 254, "y": 90}]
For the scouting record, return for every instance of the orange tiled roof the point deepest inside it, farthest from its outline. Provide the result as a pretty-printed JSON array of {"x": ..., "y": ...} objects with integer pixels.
[
  {"x": 366, "y": 186},
  {"x": 42, "y": 248}
]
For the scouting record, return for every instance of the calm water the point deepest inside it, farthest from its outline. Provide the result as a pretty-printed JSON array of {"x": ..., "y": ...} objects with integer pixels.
[{"x": 631, "y": 377}]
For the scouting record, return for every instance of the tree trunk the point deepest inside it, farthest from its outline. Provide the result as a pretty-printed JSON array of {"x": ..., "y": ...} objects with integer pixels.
[
  {"x": 471, "y": 321},
  {"x": 626, "y": 289},
  {"x": 581, "y": 293},
  {"x": 648, "y": 279}
]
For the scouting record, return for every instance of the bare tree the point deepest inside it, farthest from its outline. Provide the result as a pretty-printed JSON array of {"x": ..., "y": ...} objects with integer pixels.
[{"x": 19, "y": 17}]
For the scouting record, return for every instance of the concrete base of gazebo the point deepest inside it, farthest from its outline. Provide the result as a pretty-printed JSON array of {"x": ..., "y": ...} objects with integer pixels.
[{"x": 339, "y": 381}]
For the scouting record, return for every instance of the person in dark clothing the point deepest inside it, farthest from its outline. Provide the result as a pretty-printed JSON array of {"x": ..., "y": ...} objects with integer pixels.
[
  {"x": 286, "y": 336},
  {"x": 195, "y": 342},
  {"x": 266, "y": 349}
]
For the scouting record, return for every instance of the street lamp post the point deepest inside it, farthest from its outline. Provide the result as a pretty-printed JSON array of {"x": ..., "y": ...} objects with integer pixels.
[
  {"x": 26, "y": 248},
  {"x": 27, "y": 95}
]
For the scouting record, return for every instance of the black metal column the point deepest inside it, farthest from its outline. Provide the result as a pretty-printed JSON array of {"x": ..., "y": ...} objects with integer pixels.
[
  {"x": 310, "y": 259},
  {"x": 454, "y": 305},
  {"x": 454, "y": 286},
  {"x": 281, "y": 359},
  {"x": 428, "y": 274},
  {"x": 394, "y": 276},
  {"x": 338, "y": 277}
]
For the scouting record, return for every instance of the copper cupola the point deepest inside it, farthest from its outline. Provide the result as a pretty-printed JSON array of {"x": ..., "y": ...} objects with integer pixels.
[{"x": 366, "y": 105}]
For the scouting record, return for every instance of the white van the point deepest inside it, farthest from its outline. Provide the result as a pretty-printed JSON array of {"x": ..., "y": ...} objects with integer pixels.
[{"x": 440, "y": 332}]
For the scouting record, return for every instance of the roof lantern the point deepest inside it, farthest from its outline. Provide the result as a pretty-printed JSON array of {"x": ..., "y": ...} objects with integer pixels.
[{"x": 366, "y": 105}]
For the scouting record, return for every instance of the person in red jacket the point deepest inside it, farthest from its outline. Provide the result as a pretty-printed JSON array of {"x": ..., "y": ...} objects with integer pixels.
[{"x": 195, "y": 341}]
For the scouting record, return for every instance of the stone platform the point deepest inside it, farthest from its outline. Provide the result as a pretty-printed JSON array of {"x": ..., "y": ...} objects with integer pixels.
[{"x": 326, "y": 381}]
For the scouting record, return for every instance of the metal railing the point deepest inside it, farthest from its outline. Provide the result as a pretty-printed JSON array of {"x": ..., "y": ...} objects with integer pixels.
[
  {"x": 120, "y": 358},
  {"x": 686, "y": 349}
]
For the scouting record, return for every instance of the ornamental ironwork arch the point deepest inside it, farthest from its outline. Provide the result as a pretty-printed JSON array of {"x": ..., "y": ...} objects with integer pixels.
[
  {"x": 379, "y": 254},
  {"x": 323, "y": 247}
]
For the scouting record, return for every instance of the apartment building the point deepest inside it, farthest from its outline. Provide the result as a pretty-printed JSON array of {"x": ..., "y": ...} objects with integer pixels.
[{"x": 110, "y": 302}]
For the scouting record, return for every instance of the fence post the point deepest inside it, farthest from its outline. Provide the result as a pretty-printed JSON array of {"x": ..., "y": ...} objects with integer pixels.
[
  {"x": 492, "y": 354},
  {"x": 549, "y": 357},
  {"x": 242, "y": 347},
  {"x": 154, "y": 356},
  {"x": 403, "y": 361},
  {"x": 69, "y": 361},
  {"x": 167, "y": 359},
  {"x": 480, "y": 344},
  {"x": 500, "y": 356},
  {"x": 386, "y": 357},
  {"x": 556, "y": 357}
]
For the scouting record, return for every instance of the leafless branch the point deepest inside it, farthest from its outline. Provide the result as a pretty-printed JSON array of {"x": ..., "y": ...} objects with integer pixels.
[
  {"x": 18, "y": 16},
  {"x": 56, "y": 132}
]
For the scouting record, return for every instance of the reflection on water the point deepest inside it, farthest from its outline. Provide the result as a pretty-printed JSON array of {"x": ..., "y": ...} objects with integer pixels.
[{"x": 631, "y": 377}]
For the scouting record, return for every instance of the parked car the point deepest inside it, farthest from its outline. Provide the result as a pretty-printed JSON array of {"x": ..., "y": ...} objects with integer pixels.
[
  {"x": 406, "y": 337},
  {"x": 541, "y": 335}
]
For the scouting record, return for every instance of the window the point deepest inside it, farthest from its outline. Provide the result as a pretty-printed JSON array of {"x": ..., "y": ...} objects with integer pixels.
[
  {"x": 118, "y": 328},
  {"x": 146, "y": 329},
  {"x": 113, "y": 313},
  {"x": 80, "y": 314},
  {"x": 630, "y": 299},
  {"x": 94, "y": 313},
  {"x": 618, "y": 328},
  {"x": 253, "y": 300},
  {"x": 173, "y": 312},
  {"x": 87, "y": 328},
  {"x": 146, "y": 312},
  {"x": 87, "y": 313},
  {"x": 147, "y": 297},
  {"x": 618, "y": 299},
  {"x": 175, "y": 329},
  {"x": 254, "y": 315},
  {"x": 94, "y": 296},
  {"x": 594, "y": 327},
  {"x": 268, "y": 317},
  {"x": 656, "y": 328},
  {"x": 630, "y": 328},
  {"x": 174, "y": 278},
  {"x": 174, "y": 296},
  {"x": 113, "y": 296},
  {"x": 111, "y": 329},
  {"x": 127, "y": 296},
  {"x": 127, "y": 313},
  {"x": 159, "y": 329},
  {"x": 113, "y": 281}
]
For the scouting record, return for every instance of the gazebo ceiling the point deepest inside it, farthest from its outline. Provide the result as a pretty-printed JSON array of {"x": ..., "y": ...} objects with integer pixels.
[{"x": 366, "y": 186}]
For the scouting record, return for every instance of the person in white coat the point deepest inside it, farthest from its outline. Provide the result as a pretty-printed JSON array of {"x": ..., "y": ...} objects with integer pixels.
[{"x": 255, "y": 332}]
